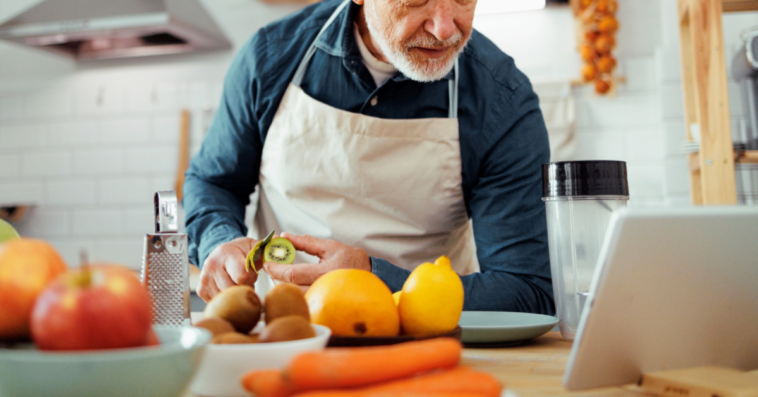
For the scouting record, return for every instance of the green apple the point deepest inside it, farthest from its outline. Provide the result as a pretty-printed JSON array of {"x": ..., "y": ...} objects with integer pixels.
[{"x": 7, "y": 232}]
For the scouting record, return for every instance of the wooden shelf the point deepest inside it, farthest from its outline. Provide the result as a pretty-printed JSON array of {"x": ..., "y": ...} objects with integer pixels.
[
  {"x": 739, "y": 5},
  {"x": 746, "y": 157},
  {"x": 727, "y": 6},
  {"x": 706, "y": 98},
  {"x": 750, "y": 156}
]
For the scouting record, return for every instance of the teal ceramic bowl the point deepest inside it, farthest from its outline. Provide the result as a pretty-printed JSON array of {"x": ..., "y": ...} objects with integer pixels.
[{"x": 161, "y": 371}]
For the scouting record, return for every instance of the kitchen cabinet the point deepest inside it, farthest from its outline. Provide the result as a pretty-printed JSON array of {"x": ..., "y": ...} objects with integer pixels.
[{"x": 706, "y": 99}]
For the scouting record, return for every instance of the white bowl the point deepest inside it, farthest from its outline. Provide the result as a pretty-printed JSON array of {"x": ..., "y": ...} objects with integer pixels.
[{"x": 220, "y": 373}]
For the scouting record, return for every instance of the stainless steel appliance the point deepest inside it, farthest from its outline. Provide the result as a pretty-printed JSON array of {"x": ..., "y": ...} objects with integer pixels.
[
  {"x": 745, "y": 71},
  {"x": 98, "y": 29}
]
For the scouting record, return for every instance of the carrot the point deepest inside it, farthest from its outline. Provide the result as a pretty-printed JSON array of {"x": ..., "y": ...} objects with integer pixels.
[
  {"x": 348, "y": 367},
  {"x": 355, "y": 393},
  {"x": 457, "y": 381},
  {"x": 267, "y": 383}
]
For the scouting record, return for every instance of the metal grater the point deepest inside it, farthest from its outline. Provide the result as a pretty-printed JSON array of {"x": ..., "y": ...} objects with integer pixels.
[{"x": 165, "y": 265}]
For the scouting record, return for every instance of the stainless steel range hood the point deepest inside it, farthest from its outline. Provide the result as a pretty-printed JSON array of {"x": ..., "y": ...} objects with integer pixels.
[{"x": 100, "y": 29}]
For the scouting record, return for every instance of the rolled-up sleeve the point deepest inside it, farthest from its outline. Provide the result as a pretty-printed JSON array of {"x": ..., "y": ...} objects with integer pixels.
[
  {"x": 508, "y": 214},
  {"x": 224, "y": 173}
]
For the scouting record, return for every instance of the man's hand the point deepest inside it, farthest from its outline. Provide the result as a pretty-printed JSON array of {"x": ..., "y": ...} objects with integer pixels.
[
  {"x": 225, "y": 267},
  {"x": 332, "y": 255}
]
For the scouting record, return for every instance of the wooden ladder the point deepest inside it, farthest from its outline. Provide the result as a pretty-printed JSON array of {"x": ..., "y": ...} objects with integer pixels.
[{"x": 706, "y": 99}]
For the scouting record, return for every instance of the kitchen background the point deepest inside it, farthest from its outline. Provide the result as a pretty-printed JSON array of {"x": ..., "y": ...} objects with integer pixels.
[{"x": 88, "y": 143}]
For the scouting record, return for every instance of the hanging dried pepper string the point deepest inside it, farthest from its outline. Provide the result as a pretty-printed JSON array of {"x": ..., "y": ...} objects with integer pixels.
[{"x": 598, "y": 23}]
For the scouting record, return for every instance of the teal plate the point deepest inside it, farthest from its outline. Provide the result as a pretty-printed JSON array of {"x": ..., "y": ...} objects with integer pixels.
[
  {"x": 503, "y": 328},
  {"x": 161, "y": 371}
]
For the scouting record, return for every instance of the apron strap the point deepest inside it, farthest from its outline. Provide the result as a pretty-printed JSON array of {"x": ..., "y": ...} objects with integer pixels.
[
  {"x": 453, "y": 94},
  {"x": 300, "y": 73},
  {"x": 297, "y": 79}
]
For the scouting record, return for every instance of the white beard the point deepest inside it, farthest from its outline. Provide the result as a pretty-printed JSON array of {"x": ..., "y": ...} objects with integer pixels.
[{"x": 426, "y": 70}]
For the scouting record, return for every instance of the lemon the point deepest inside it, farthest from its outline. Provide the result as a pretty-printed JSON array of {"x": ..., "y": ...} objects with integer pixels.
[
  {"x": 431, "y": 301},
  {"x": 396, "y": 296}
]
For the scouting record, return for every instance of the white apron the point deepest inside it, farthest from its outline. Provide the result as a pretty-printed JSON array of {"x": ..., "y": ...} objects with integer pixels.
[{"x": 390, "y": 187}]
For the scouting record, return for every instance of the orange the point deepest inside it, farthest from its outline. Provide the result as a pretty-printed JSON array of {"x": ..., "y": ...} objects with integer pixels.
[
  {"x": 353, "y": 302},
  {"x": 27, "y": 266}
]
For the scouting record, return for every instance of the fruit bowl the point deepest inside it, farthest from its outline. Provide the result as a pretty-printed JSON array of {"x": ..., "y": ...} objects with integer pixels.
[
  {"x": 220, "y": 373},
  {"x": 159, "y": 371}
]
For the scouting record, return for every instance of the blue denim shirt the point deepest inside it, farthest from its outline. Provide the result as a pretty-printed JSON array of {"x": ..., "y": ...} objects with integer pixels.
[{"x": 502, "y": 136}]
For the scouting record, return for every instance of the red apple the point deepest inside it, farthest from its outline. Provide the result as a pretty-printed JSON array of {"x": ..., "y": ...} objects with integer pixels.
[
  {"x": 152, "y": 339},
  {"x": 91, "y": 308}
]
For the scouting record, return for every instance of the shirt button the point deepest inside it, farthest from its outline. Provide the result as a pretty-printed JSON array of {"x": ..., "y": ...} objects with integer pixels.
[{"x": 374, "y": 101}]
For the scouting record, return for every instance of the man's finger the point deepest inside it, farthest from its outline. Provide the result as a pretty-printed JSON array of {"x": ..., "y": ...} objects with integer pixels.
[
  {"x": 304, "y": 274},
  {"x": 309, "y": 244},
  {"x": 206, "y": 288},
  {"x": 239, "y": 274},
  {"x": 223, "y": 281}
]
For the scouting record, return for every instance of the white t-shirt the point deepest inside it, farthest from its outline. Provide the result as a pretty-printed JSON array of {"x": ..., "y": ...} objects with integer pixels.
[{"x": 380, "y": 71}]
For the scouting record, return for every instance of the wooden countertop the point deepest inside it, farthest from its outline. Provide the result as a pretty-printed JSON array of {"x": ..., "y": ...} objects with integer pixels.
[{"x": 533, "y": 369}]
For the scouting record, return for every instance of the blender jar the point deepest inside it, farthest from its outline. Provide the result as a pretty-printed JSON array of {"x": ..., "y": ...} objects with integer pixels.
[{"x": 580, "y": 197}]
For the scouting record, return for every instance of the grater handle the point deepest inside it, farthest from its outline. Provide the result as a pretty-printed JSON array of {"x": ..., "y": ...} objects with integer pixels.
[{"x": 166, "y": 212}]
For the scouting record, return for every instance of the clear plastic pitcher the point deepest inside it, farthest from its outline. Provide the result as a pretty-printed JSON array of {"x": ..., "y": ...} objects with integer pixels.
[{"x": 579, "y": 197}]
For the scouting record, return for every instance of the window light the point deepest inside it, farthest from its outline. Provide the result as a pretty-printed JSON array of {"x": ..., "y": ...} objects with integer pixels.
[{"x": 488, "y": 7}]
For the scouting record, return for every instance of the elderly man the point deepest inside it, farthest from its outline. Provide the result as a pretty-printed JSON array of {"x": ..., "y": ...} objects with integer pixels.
[{"x": 381, "y": 134}]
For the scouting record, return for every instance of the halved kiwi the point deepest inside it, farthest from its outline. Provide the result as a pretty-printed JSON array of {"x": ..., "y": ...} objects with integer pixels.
[
  {"x": 255, "y": 254},
  {"x": 279, "y": 250}
]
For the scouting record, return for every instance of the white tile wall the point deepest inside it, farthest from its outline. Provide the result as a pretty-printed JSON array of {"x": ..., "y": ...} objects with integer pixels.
[
  {"x": 97, "y": 222},
  {"x": 70, "y": 192},
  {"x": 19, "y": 136},
  {"x": 70, "y": 133},
  {"x": 15, "y": 192},
  {"x": 125, "y": 130},
  {"x": 97, "y": 162},
  {"x": 46, "y": 222},
  {"x": 89, "y": 144},
  {"x": 45, "y": 163},
  {"x": 9, "y": 165}
]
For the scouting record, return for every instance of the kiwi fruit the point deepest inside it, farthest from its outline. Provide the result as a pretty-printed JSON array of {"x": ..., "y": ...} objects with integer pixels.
[
  {"x": 238, "y": 305},
  {"x": 233, "y": 338},
  {"x": 216, "y": 325},
  {"x": 279, "y": 250},
  {"x": 286, "y": 329},
  {"x": 285, "y": 300}
]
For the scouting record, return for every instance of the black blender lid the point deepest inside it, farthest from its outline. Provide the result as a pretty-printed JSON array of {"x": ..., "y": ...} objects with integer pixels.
[{"x": 584, "y": 178}]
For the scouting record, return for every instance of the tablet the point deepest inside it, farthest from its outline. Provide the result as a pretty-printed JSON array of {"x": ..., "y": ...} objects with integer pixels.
[{"x": 676, "y": 288}]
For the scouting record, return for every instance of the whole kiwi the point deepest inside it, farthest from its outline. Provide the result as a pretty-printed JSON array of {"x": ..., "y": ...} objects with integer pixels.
[
  {"x": 233, "y": 338},
  {"x": 285, "y": 300},
  {"x": 238, "y": 305},
  {"x": 216, "y": 325},
  {"x": 287, "y": 328}
]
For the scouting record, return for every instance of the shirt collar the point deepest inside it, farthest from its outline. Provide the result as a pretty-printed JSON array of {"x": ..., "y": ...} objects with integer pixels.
[{"x": 339, "y": 40}]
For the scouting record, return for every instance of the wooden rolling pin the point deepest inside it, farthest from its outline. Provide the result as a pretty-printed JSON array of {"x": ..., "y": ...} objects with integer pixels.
[{"x": 183, "y": 153}]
